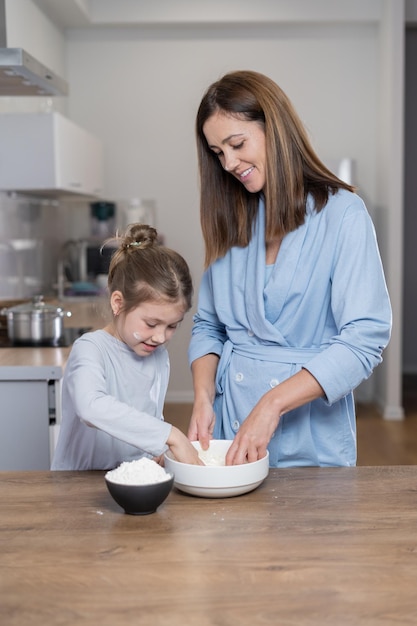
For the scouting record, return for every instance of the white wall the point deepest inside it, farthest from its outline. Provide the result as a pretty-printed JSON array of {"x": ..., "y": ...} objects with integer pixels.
[
  {"x": 390, "y": 157},
  {"x": 138, "y": 90}
]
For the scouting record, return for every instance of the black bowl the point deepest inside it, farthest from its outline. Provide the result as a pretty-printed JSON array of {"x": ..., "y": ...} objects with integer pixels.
[{"x": 140, "y": 499}]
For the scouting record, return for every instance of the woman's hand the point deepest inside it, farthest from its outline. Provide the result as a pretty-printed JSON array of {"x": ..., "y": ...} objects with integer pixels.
[
  {"x": 257, "y": 430},
  {"x": 202, "y": 424},
  {"x": 182, "y": 449},
  {"x": 203, "y": 417},
  {"x": 254, "y": 435}
]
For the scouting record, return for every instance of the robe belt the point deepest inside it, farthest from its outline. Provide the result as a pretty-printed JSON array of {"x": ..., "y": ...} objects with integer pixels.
[{"x": 273, "y": 353}]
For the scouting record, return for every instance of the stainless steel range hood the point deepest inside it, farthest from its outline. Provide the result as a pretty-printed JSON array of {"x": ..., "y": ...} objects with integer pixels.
[{"x": 21, "y": 74}]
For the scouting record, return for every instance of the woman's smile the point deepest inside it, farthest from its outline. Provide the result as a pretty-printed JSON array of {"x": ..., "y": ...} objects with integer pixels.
[
  {"x": 246, "y": 173},
  {"x": 240, "y": 147}
]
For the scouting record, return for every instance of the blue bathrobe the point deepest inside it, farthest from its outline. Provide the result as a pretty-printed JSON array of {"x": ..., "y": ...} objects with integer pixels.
[{"x": 323, "y": 306}]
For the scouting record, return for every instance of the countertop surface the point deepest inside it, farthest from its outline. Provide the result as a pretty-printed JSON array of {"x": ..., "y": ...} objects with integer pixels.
[
  {"x": 85, "y": 313},
  {"x": 310, "y": 546},
  {"x": 33, "y": 357}
]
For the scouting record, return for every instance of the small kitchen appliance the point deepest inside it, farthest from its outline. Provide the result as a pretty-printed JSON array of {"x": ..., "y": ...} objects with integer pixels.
[{"x": 102, "y": 219}]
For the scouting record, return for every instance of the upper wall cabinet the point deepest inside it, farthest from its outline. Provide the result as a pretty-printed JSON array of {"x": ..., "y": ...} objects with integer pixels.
[{"x": 47, "y": 153}]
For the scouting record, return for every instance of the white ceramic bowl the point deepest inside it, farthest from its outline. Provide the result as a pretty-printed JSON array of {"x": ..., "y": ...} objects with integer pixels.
[{"x": 217, "y": 481}]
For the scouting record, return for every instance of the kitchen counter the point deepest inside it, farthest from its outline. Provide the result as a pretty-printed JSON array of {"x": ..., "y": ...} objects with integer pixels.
[
  {"x": 86, "y": 313},
  {"x": 34, "y": 357},
  {"x": 310, "y": 546}
]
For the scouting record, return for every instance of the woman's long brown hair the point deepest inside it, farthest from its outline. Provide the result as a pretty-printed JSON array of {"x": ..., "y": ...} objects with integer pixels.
[{"x": 293, "y": 170}]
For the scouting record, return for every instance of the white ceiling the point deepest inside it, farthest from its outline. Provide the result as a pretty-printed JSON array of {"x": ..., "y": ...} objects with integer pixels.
[
  {"x": 66, "y": 13},
  {"x": 73, "y": 14}
]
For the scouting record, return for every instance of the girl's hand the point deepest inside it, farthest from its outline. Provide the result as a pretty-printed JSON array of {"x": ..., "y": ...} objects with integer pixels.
[
  {"x": 202, "y": 424},
  {"x": 182, "y": 449}
]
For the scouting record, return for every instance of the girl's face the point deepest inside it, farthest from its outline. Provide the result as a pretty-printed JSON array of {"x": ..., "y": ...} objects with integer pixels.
[
  {"x": 150, "y": 325},
  {"x": 240, "y": 146}
]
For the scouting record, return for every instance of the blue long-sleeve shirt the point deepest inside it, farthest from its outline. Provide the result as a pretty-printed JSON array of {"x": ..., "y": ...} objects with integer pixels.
[{"x": 323, "y": 306}]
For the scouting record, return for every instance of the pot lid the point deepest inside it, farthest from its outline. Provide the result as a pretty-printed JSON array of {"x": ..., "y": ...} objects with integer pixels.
[{"x": 36, "y": 305}]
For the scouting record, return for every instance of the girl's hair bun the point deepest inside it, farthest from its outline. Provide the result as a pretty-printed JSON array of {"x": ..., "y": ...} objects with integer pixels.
[
  {"x": 143, "y": 269},
  {"x": 139, "y": 236}
]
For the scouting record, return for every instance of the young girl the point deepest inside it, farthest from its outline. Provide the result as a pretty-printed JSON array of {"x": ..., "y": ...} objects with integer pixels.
[{"x": 116, "y": 378}]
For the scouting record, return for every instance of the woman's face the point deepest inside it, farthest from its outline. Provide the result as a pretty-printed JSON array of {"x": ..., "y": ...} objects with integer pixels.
[{"x": 240, "y": 146}]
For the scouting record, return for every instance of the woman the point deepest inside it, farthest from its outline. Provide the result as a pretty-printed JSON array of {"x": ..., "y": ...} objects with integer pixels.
[{"x": 293, "y": 308}]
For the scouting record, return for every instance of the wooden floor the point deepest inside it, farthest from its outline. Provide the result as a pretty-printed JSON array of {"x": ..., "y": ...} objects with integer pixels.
[{"x": 380, "y": 442}]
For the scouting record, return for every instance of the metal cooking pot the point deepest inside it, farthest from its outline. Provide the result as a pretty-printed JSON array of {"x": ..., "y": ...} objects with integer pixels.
[{"x": 35, "y": 323}]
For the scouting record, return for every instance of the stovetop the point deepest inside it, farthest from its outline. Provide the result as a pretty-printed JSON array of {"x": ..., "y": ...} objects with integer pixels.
[{"x": 68, "y": 338}]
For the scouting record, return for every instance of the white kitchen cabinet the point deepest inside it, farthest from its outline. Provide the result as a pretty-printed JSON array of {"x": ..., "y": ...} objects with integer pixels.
[
  {"x": 29, "y": 415},
  {"x": 48, "y": 153}
]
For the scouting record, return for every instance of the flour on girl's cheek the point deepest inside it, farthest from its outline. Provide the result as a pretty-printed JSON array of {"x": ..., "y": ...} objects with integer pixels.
[{"x": 137, "y": 336}]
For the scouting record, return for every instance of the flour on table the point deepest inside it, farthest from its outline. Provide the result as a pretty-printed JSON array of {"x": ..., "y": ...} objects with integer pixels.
[{"x": 144, "y": 471}]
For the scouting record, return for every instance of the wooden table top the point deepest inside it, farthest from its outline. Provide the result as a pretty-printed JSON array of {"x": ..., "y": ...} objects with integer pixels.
[{"x": 310, "y": 546}]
